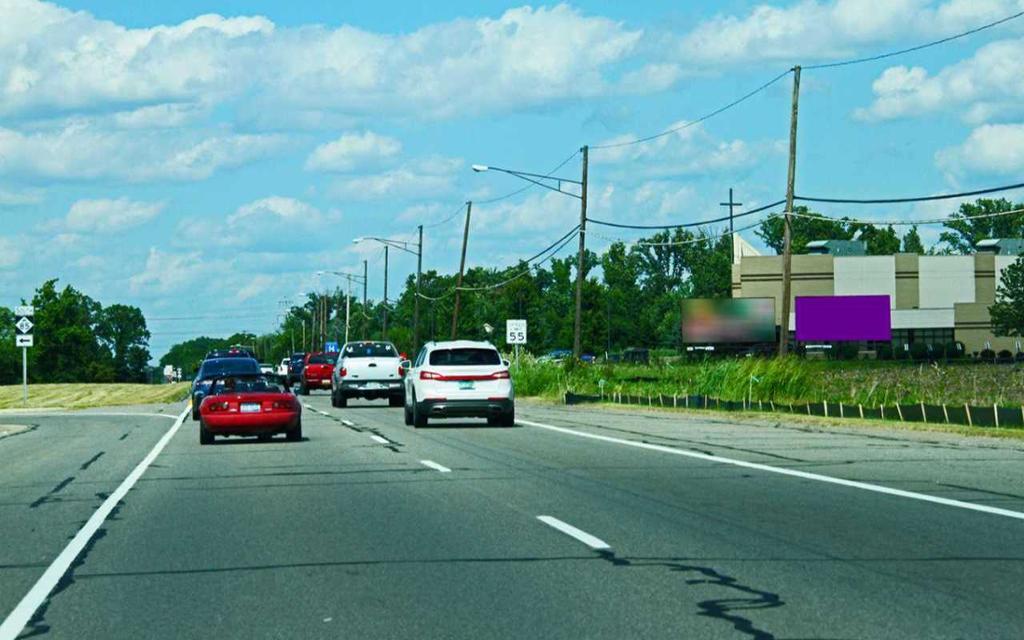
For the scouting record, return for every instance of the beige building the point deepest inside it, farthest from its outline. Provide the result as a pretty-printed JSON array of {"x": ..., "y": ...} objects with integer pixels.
[{"x": 935, "y": 299}]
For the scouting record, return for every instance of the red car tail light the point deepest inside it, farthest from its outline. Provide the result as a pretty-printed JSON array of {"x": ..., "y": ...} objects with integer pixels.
[
  {"x": 288, "y": 405},
  {"x": 430, "y": 375},
  {"x": 501, "y": 375},
  {"x": 214, "y": 407}
]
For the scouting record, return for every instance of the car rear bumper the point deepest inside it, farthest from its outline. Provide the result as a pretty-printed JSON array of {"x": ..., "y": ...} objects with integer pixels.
[
  {"x": 317, "y": 383},
  {"x": 372, "y": 388},
  {"x": 244, "y": 424},
  {"x": 466, "y": 408}
]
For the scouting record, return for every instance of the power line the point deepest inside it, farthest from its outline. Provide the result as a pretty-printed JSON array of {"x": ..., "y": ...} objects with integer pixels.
[
  {"x": 446, "y": 220},
  {"x": 882, "y": 56},
  {"x": 702, "y": 238},
  {"x": 685, "y": 225},
  {"x": 702, "y": 118},
  {"x": 946, "y": 196},
  {"x": 907, "y": 223}
]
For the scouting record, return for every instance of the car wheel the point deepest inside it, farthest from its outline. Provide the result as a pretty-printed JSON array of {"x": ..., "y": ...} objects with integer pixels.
[
  {"x": 419, "y": 417},
  {"x": 303, "y": 389},
  {"x": 342, "y": 400},
  {"x": 396, "y": 401},
  {"x": 205, "y": 437},
  {"x": 508, "y": 419},
  {"x": 334, "y": 398},
  {"x": 408, "y": 416},
  {"x": 295, "y": 435}
]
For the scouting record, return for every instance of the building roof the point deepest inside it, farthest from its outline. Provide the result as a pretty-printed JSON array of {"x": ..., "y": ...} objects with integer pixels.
[
  {"x": 1001, "y": 246},
  {"x": 838, "y": 247}
]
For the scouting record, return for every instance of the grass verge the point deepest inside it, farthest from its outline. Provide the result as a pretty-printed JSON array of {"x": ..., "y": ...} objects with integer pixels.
[{"x": 86, "y": 396}]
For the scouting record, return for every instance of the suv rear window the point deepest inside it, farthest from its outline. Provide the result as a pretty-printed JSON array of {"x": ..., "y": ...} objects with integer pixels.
[
  {"x": 370, "y": 350},
  {"x": 223, "y": 366},
  {"x": 465, "y": 357},
  {"x": 323, "y": 359}
]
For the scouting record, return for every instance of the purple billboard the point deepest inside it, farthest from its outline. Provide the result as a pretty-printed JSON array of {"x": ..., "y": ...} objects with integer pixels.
[{"x": 843, "y": 318}]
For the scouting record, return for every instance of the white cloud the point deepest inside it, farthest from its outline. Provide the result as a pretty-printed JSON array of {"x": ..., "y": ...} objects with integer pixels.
[
  {"x": 10, "y": 253},
  {"x": 422, "y": 178},
  {"x": 353, "y": 150},
  {"x": 106, "y": 215},
  {"x": 167, "y": 272},
  {"x": 816, "y": 30},
  {"x": 80, "y": 149},
  {"x": 986, "y": 84},
  {"x": 275, "y": 223},
  {"x": 21, "y": 197},
  {"x": 990, "y": 148},
  {"x": 688, "y": 151}
]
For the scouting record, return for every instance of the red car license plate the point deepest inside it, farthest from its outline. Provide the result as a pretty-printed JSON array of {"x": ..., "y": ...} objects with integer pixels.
[{"x": 250, "y": 407}]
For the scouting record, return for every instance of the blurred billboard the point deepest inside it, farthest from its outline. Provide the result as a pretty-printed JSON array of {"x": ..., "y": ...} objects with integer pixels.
[
  {"x": 843, "y": 318},
  {"x": 723, "y": 320}
]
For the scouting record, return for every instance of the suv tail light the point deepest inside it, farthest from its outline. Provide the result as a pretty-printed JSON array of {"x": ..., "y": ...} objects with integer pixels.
[
  {"x": 343, "y": 372},
  {"x": 430, "y": 375},
  {"x": 401, "y": 372},
  {"x": 501, "y": 375}
]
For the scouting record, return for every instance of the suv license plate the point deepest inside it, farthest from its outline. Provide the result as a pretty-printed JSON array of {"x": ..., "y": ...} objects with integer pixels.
[
  {"x": 465, "y": 384},
  {"x": 250, "y": 407}
]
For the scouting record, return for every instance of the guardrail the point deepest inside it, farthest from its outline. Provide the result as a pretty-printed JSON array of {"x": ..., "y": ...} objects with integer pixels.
[{"x": 956, "y": 414}]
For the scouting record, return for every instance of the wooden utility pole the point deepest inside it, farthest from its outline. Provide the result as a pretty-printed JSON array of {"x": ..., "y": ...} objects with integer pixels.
[
  {"x": 580, "y": 258},
  {"x": 384, "y": 332},
  {"x": 365, "y": 314},
  {"x": 732, "y": 205},
  {"x": 462, "y": 270},
  {"x": 787, "y": 235},
  {"x": 416, "y": 308}
]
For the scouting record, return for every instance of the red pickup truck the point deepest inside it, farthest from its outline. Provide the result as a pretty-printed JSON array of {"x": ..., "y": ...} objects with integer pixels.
[{"x": 317, "y": 372}]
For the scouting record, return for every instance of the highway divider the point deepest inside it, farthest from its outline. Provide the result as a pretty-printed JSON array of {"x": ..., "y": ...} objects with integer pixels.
[{"x": 994, "y": 416}]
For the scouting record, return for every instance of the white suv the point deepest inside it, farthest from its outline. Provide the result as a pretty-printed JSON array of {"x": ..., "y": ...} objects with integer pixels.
[{"x": 459, "y": 379}]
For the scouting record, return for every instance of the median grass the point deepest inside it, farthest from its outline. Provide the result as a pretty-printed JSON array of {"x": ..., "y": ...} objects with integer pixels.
[
  {"x": 86, "y": 396},
  {"x": 788, "y": 380}
]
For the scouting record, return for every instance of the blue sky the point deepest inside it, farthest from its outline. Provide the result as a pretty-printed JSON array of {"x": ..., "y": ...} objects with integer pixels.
[{"x": 203, "y": 159}]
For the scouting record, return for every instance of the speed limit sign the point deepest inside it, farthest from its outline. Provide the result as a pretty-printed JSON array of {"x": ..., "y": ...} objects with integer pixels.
[{"x": 515, "y": 331}]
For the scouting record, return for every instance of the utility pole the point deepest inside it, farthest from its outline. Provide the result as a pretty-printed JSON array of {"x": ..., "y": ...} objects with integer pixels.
[
  {"x": 731, "y": 204},
  {"x": 462, "y": 269},
  {"x": 416, "y": 308},
  {"x": 576, "y": 348},
  {"x": 365, "y": 314},
  {"x": 787, "y": 237},
  {"x": 384, "y": 335},
  {"x": 348, "y": 301}
]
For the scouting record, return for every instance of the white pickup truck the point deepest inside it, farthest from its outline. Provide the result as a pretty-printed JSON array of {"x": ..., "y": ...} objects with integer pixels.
[{"x": 369, "y": 370}]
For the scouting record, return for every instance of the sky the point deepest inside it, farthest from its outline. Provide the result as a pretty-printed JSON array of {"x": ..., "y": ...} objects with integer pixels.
[{"x": 205, "y": 159}]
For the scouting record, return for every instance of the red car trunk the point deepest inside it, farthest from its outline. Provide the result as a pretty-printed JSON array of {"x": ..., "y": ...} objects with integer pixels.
[
  {"x": 318, "y": 370},
  {"x": 249, "y": 413}
]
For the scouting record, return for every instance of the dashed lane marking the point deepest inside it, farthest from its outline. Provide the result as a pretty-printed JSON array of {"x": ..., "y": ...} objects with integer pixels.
[
  {"x": 593, "y": 542},
  {"x": 436, "y": 467},
  {"x": 379, "y": 439}
]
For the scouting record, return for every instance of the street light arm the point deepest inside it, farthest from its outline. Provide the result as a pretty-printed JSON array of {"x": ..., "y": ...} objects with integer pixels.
[{"x": 397, "y": 244}]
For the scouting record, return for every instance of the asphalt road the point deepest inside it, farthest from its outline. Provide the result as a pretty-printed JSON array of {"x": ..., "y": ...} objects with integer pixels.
[{"x": 372, "y": 529}]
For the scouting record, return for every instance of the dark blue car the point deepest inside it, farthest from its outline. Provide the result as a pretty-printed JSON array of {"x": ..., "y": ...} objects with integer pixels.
[{"x": 219, "y": 368}]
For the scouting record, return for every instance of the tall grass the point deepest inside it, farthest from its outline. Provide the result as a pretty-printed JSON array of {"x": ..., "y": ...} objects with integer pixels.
[{"x": 787, "y": 380}]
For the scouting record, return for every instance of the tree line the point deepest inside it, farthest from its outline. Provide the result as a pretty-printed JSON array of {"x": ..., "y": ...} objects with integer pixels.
[
  {"x": 77, "y": 340},
  {"x": 631, "y": 293}
]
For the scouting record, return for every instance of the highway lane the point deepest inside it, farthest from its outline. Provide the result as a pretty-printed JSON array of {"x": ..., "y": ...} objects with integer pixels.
[{"x": 352, "y": 533}]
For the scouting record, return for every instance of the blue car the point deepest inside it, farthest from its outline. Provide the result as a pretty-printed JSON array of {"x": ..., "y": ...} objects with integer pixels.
[{"x": 219, "y": 368}]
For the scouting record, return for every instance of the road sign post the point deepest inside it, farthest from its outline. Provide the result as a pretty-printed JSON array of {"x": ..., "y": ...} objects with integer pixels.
[
  {"x": 515, "y": 334},
  {"x": 23, "y": 338}
]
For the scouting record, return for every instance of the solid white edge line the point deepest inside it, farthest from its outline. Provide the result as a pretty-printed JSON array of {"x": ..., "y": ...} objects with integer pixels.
[
  {"x": 36, "y": 596},
  {"x": 594, "y": 543},
  {"x": 855, "y": 484},
  {"x": 436, "y": 467},
  {"x": 379, "y": 439}
]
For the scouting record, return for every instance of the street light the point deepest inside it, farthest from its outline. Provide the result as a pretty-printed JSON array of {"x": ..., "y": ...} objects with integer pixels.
[
  {"x": 402, "y": 245},
  {"x": 349, "y": 277},
  {"x": 545, "y": 180}
]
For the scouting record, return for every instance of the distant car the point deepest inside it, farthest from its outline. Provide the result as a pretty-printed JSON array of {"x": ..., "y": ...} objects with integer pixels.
[
  {"x": 282, "y": 367},
  {"x": 296, "y": 362},
  {"x": 588, "y": 357},
  {"x": 316, "y": 372},
  {"x": 370, "y": 370},
  {"x": 556, "y": 355},
  {"x": 267, "y": 368},
  {"x": 218, "y": 367},
  {"x": 459, "y": 379},
  {"x": 231, "y": 352},
  {"x": 249, "y": 405}
]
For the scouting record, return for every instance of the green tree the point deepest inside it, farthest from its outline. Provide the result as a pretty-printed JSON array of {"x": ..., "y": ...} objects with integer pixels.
[
  {"x": 1008, "y": 310},
  {"x": 912, "y": 242},
  {"x": 67, "y": 349},
  {"x": 967, "y": 228},
  {"x": 122, "y": 330},
  {"x": 881, "y": 241},
  {"x": 804, "y": 230}
]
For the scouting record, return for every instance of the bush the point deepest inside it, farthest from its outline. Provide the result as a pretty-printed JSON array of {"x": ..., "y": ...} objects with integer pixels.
[
  {"x": 920, "y": 351},
  {"x": 987, "y": 355},
  {"x": 884, "y": 352},
  {"x": 1005, "y": 356},
  {"x": 847, "y": 350},
  {"x": 953, "y": 350}
]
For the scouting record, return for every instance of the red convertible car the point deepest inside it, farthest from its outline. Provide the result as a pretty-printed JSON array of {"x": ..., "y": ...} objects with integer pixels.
[{"x": 249, "y": 405}]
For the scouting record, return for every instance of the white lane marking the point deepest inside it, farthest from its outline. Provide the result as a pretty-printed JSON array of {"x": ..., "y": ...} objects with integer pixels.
[
  {"x": 36, "y": 596},
  {"x": 594, "y": 543},
  {"x": 379, "y": 439},
  {"x": 86, "y": 414},
  {"x": 855, "y": 484},
  {"x": 437, "y": 467},
  {"x": 348, "y": 423}
]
